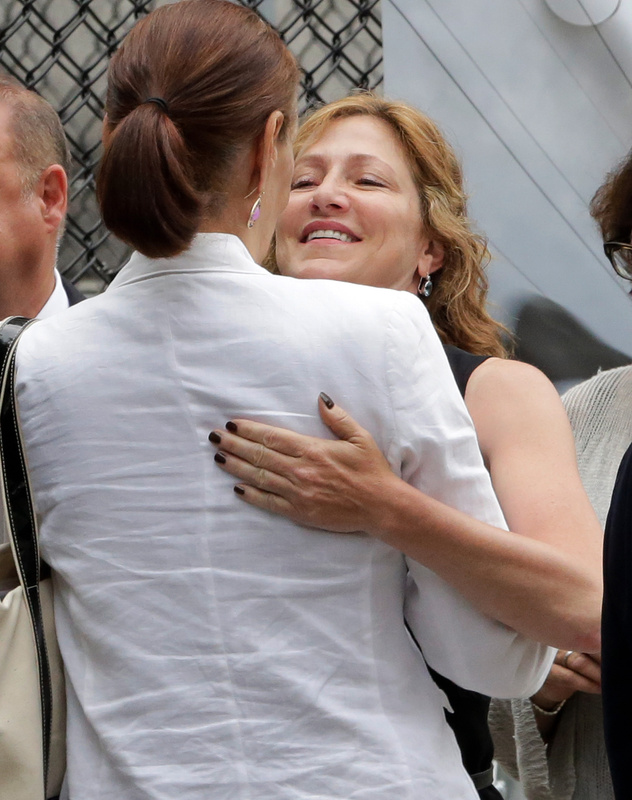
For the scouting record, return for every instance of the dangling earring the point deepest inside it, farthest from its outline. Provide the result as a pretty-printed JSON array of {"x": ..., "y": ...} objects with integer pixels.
[
  {"x": 255, "y": 211},
  {"x": 424, "y": 289}
]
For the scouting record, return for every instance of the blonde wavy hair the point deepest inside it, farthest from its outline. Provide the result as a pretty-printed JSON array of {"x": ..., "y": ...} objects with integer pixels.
[{"x": 457, "y": 305}]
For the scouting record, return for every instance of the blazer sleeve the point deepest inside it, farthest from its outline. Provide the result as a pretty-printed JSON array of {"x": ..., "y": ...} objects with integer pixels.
[
  {"x": 435, "y": 449},
  {"x": 616, "y": 632}
]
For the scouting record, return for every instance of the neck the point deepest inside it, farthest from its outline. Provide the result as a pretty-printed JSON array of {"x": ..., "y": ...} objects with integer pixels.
[
  {"x": 254, "y": 238},
  {"x": 25, "y": 297}
]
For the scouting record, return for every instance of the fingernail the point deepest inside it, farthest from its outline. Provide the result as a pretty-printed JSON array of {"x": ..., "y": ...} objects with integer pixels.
[
  {"x": 220, "y": 458},
  {"x": 239, "y": 490},
  {"x": 326, "y": 400},
  {"x": 214, "y": 437},
  {"x": 230, "y": 426}
]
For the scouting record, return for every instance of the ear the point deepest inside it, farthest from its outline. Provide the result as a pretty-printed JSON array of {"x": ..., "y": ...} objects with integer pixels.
[
  {"x": 266, "y": 154},
  {"x": 52, "y": 192},
  {"x": 430, "y": 258}
]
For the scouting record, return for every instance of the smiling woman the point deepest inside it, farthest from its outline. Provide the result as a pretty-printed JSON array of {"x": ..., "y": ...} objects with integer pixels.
[
  {"x": 351, "y": 214},
  {"x": 377, "y": 198},
  {"x": 398, "y": 137}
]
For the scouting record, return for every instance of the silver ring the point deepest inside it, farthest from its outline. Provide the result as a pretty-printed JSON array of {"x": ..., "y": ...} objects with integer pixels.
[{"x": 565, "y": 659}]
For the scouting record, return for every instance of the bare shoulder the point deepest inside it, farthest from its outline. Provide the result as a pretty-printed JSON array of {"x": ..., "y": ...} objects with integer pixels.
[
  {"x": 527, "y": 443},
  {"x": 503, "y": 375},
  {"x": 514, "y": 402}
]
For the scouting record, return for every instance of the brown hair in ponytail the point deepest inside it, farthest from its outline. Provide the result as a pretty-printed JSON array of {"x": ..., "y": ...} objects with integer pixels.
[{"x": 215, "y": 72}]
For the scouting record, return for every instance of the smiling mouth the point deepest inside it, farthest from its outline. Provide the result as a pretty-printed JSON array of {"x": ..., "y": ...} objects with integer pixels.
[{"x": 330, "y": 234}]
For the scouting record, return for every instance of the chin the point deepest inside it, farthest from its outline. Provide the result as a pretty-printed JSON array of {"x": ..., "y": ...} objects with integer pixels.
[{"x": 322, "y": 268}]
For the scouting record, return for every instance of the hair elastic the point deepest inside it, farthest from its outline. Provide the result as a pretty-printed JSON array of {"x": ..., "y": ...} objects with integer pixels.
[{"x": 159, "y": 102}]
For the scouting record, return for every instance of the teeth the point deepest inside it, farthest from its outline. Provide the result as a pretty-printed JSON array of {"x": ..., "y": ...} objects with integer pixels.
[{"x": 327, "y": 234}]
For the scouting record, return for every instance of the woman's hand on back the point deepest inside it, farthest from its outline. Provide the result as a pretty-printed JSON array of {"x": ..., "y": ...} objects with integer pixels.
[
  {"x": 542, "y": 580},
  {"x": 324, "y": 483}
]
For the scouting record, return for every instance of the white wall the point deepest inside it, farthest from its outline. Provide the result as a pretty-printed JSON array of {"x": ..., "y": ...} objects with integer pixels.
[{"x": 539, "y": 110}]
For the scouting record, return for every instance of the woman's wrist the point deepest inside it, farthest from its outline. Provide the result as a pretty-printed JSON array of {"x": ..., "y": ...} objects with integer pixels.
[
  {"x": 392, "y": 518},
  {"x": 546, "y": 719},
  {"x": 548, "y": 710}
]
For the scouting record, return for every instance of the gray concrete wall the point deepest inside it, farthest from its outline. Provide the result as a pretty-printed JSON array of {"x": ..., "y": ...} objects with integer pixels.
[{"x": 539, "y": 110}]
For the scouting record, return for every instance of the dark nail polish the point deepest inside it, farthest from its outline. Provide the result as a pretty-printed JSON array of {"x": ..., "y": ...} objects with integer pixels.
[
  {"x": 230, "y": 426},
  {"x": 239, "y": 490},
  {"x": 220, "y": 458},
  {"x": 327, "y": 400},
  {"x": 214, "y": 437}
]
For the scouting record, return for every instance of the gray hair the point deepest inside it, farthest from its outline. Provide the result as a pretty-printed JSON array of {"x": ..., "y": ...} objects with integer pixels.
[{"x": 37, "y": 133}]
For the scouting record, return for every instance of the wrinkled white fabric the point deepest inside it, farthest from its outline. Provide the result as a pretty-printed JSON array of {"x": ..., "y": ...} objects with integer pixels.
[{"x": 214, "y": 651}]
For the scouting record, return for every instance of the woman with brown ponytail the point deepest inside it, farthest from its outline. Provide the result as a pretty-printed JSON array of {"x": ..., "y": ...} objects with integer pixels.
[{"x": 213, "y": 652}]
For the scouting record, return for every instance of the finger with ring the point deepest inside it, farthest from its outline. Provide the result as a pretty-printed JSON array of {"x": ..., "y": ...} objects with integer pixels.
[{"x": 567, "y": 654}]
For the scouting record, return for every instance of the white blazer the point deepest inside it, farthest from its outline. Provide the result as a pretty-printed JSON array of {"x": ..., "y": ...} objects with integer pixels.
[{"x": 215, "y": 651}]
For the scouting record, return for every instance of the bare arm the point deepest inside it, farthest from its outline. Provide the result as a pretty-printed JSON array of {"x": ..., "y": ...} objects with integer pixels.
[
  {"x": 528, "y": 447},
  {"x": 527, "y": 442},
  {"x": 544, "y": 583}
]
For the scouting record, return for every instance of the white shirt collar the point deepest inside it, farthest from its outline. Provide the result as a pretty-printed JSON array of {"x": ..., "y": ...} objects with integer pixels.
[
  {"x": 58, "y": 301},
  {"x": 208, "y": 251}
]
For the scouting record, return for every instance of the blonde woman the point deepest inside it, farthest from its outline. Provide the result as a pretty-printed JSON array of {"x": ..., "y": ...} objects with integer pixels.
[{"x": 377, "y": 198}]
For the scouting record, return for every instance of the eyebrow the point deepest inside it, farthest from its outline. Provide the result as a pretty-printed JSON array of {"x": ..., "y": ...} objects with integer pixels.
[{"x": 354, "y": 158}]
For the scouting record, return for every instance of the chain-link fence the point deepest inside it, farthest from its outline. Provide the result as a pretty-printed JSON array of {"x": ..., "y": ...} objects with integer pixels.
[{"x": 61, "y": 48}]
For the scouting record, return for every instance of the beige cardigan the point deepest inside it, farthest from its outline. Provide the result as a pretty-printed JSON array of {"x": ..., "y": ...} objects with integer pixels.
[{"x": 576, "y": 767}]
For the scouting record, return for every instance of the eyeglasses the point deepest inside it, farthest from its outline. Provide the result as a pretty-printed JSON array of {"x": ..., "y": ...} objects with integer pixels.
[{"x": 620, "y": 256}]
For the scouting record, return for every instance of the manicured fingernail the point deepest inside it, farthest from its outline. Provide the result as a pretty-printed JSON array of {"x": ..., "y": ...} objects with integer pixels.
[
  {"x": 220, "y": 458},
  {"x": 214, "y": 437},
  {"x": 327, "y": 400},
  {"x": 239, "y": 490},
  {"x": 230, "y": 426}
]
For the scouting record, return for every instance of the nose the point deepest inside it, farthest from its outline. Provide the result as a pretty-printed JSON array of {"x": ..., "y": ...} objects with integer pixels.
[{"x": 329, "y": 196}]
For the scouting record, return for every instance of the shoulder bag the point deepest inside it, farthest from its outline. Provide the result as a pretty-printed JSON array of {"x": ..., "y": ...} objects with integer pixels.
[{"x": 32, "y": 699}]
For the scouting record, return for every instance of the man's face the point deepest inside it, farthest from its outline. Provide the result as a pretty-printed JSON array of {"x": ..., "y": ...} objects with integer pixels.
[{"x": 22, "y": 228}]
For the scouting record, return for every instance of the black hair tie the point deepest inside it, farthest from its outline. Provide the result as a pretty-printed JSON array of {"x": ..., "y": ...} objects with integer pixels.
[{"x": 159, "y": 102}]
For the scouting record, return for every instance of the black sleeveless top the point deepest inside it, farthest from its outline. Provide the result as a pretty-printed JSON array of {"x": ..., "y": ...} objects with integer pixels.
[
  {"x": 462, "y": 365},
  {"x": 468, "y": 719}
]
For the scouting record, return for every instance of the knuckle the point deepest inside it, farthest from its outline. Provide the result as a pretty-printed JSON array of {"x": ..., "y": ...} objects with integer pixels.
[
  {"x": 269, "y": 439},
  {"x": 310, "y": 453},
  {"x": 579, "y": 661},
  {"x": 345, "y": 419},
  {"x": 305, "y": 477},
  {"x": 258, "y": 455},
  {"x": 261, "y": 478},
  {"x": 268, "y": 502}
]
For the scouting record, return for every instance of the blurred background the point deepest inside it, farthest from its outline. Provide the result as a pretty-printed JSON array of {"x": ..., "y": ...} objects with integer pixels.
[{"x": 536, "y": 95}]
